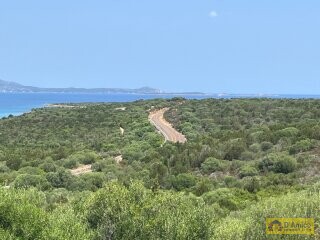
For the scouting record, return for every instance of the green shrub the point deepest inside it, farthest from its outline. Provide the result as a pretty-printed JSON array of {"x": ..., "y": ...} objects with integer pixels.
[
  {"x": 301, "y": 146},
  {"x": 234, "y": 149},
  {"x": 84, "y": 157},
  {"x": 248, "y": 171},
  {"x": 64, "y": 223},
  {"x": 247, "y": 156},
  {"x": 285, "y": 164},
  {"x": 28, "y": 180},
  {"x": 13, "y": 162},
  {"x": 4, "y": 168},
  {"x": 70, "y": 163},
  {"x": 249, "y": 224},
  {"x": 211, "y": 165},
  {"x": 59, "y": 179},
  {"x": 30, "y": 170},
  {"x": 184, "y": 181},
  {"x": 231, "y": 181},
  {"x": 255, "y": 147},
  {"x": 48, "y": 167},
  {"x": 229, "y": 198},
  {"x": 23, "y": 216},
  {"x": 265, "y": 146},
  {"x": 116, "y": 212},
  {"x": 278, "y": 162},
  {"x": 289, "y": 132}
]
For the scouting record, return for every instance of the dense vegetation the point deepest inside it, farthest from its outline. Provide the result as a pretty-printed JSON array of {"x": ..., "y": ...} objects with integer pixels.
[{"x": 245, "y": 160}]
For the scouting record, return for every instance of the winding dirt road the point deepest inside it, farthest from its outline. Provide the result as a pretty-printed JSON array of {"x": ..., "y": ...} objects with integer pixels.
[{"x": 165, "y": 128}]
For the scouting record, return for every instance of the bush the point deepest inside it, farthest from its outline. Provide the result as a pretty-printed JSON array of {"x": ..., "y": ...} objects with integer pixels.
[
  {"x": 30, "y": 170},
  {"x": 27, "y": 181},
  {"x": 251, "y": 184},
  {"x": 285, "y": 164},
  {"x": 247, "y": 156},
  {"x": 301, "y": 146},
  {"x": 84, "y": 157},
  {"x": 289, "y": 132},
  {"x": 202, "y": 187},
  {"x": 4, "y": 168},
  {"x": 248, "y": 171},
  {"x": 117, "y": 212},
  {"x": 184, "y": 181},
  {"x": 13, "y": 162},
  {"x": 231, "y": 181},
  {"x": 48, "y": 167},
  {"x": 211, "y": 165},
  {"x": 250, "y": 223},
  {"x": 265, "y": 146},
  {"x": 229, "y": 198},
  {"x": 70, "y": 163},
  {"x": 56, "y": 197},
  {"x": 234, "y": 149},
  {"x": 60, "y": 179},
  {"x": 255, "y": 147},
  {"x": 93, "y": 181},
  {"x": 64, "y": 223},
  {"x": 278, "y": 162},
  {"x": 23, "y": 216}
]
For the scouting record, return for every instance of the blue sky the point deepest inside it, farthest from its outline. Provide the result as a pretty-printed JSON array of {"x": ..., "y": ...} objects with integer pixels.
[{"x": 233, "y": 46}]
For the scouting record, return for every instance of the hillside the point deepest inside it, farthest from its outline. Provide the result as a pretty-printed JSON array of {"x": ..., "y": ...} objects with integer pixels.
[{"x": 245, "y": 160}]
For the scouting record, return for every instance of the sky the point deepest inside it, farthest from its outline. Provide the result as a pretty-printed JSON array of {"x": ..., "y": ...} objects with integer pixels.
[{"x": 214, "y": 46}]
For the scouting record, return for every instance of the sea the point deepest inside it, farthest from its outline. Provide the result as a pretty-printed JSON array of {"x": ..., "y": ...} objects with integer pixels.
[{"x": 18, "y": 103}]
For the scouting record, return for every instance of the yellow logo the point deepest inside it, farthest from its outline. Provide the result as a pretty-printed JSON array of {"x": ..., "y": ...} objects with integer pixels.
[{"x": 290, "y": 226}]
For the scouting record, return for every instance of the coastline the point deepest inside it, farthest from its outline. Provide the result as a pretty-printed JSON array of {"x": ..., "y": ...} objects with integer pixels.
[{"x": 17, "y": 104}]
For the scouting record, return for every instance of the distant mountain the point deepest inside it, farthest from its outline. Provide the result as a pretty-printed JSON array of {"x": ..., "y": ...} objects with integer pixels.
[{"x": 13, "y": 87}]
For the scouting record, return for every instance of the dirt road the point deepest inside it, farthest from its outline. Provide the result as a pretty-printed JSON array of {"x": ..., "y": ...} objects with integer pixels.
[{"x": 165, "y": 128}]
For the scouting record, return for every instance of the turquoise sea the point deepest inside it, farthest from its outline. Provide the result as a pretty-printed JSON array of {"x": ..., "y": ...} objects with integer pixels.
[{"x": 19, "y": 103}]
